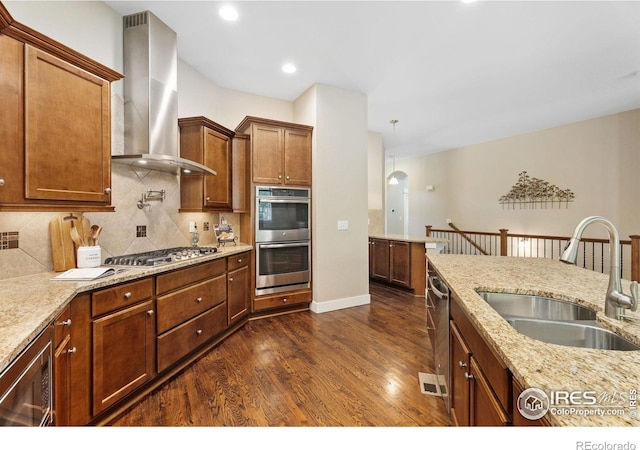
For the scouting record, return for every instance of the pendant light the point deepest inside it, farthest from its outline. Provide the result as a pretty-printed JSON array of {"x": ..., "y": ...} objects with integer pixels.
[{"x": 393, "y": 180}]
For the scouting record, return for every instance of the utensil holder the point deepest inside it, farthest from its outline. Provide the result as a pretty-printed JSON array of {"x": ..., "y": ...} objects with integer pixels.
[{"x": 89, "y": 256}]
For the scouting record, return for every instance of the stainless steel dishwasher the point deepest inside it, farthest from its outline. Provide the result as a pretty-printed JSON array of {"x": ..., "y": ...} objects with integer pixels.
[{"x": 439, "y": 292}]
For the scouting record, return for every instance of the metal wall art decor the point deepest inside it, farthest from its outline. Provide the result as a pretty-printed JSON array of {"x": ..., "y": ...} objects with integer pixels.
[{"x": 534, "y": 193}]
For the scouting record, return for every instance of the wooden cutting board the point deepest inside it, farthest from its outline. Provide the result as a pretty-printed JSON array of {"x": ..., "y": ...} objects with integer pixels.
[{"x": 63, "y": 249}]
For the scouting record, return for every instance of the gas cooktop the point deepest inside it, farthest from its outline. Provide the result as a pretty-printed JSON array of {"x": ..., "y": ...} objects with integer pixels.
[{"x": 158, "y": 257}]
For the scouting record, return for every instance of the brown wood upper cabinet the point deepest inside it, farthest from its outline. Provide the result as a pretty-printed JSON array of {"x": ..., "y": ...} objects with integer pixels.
[
  {"x": 55, "y": 142},
  {"x": 208, "y": 143},
  {"x": 280, "y": 151}
]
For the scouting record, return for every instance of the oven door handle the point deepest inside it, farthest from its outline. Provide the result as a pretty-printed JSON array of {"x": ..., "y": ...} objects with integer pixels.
[
  {"x": 295, "y": 244},
  {"x": 282, "y": 200}
]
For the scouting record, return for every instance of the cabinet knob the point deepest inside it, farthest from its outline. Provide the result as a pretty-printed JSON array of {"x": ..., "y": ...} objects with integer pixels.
[
  {"x": 279, "y": 177},
  {"x": 230, "y": 279},
  {"x": 199, "y": 332},
  {"x": 150, "y": 312},
  {"x": 431, "y": 328},
  {"x": 462, "y": 365},
  {"x": 390, "y": 245},
  {"x": 107, "y": 190},
  {"x": 72, "y": 350},
  {"x": 288, "y": 177},
  {"x": 65, "y": 323},
  {"x": 199, "y": 300},
  {"x": 1, "y": 181},
  {"x": 208, "y": 199},
  {"x": 284, "y": 300},
  {"x": 127, "y": 295},
  {"x": 468, "y": 376},
  {"x": 239, "y": 260}
]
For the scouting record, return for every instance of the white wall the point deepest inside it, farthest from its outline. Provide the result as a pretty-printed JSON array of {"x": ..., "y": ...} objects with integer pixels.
[
  {"x": 598, "y": 159},
  {"x": 339, "y": 258}
]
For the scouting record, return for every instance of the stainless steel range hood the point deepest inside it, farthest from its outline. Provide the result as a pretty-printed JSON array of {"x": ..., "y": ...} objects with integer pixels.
[{"x": 151, "y": 98}]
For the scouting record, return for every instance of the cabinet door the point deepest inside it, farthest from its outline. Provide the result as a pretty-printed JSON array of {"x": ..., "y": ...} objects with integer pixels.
[
  {"x": 67, "y": 131},
  {"x": 267, "y": 154},
  {"x": 460, "y": 389},
  {"x": 238, "y": 293},
  {"x": 123, "y": 353},
  {"x": 240, "y": 188},
  {"x": 297, "y": 158},
  {"x": 217, "y": 155},
  {"x": 485, "y": 410},
  {"x": 400, "y": 263},
  {"x": 380, "y": 259}
]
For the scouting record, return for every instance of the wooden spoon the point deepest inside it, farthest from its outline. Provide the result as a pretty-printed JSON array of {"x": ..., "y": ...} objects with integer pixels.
[{"x": 95, "y": 234}]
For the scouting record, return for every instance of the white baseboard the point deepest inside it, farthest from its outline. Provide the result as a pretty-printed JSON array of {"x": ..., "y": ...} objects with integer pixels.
[{"x": 341, "y": 303}]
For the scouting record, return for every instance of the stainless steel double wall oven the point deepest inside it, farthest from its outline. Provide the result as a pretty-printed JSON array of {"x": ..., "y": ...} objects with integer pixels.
[{"x": 283, "y": 239}]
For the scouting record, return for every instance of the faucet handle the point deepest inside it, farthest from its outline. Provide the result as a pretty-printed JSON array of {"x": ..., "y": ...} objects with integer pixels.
[{"x": 634, "y": 295}]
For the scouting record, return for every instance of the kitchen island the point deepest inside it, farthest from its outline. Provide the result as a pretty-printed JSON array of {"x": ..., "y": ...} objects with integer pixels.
[
  {"x": 612, "y": 377},
  {"x": 400, "y": 260}
]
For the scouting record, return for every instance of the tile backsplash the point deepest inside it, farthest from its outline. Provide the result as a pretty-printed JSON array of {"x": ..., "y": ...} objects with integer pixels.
[{"x": 127, "y": 230}]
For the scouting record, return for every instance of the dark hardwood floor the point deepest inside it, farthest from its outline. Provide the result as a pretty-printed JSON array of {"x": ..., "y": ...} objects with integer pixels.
[{"x": 353, "y": 367}]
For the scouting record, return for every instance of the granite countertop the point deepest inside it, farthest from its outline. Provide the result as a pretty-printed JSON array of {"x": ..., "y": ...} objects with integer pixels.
[
  {"x": 28, "y": 304},
  {"x": 407, "y": 238},
  {"x": 614, "y": 376}
]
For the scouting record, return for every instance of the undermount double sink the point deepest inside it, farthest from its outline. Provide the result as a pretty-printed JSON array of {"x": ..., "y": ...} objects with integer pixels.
[{"x": 555, "y": 321}]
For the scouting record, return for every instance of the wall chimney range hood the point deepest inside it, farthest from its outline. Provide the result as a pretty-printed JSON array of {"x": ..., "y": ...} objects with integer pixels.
[{"x": 151, "y": 133}]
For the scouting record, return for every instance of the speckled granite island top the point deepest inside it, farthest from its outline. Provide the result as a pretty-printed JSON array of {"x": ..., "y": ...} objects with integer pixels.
[
  {"x": 28, "y": 304},
  {"x": 550, "y": 367}
]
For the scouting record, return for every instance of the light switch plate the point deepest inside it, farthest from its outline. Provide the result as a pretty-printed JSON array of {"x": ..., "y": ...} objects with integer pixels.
[
  {"x": 343, "y": 225},
  {"x": 192, "y": 227}
]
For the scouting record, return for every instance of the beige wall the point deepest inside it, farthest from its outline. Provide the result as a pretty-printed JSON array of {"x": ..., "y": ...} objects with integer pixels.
[
  {"x": 598, "y": 159},
  {"x": 339, "y": 258}
]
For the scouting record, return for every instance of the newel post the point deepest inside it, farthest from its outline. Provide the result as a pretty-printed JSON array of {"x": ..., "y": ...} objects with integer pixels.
[
  {"x": 635, "y": 257},
  {"x": 428, "y": 227},
  {"x": 503, "y": 241}
]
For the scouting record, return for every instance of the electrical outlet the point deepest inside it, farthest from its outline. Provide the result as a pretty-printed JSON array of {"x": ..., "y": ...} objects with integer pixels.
[
  {"x": 343, "y": 225},
  {"x": 192, "y": 227},
  {"x": 448, "y": 221}
]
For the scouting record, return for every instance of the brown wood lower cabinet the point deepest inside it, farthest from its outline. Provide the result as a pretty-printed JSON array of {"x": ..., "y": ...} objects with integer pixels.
[
  {"x": 123, "y": 353},
  {"x": 113, "y": 345},
  {"x": 183, "y": 339},
  {"x": 480, "y": 382},
  {"x": 401, "y": 263}
]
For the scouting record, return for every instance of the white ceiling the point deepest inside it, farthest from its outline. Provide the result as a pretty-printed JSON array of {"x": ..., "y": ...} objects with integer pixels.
[{"x": 453, "y": 74}]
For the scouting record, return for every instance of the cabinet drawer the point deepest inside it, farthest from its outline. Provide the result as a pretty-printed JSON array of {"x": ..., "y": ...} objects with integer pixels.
[
  {"x": 118, "y": 297},
  {"x": 236, "y": 261},
  {"x": 185, "y": 338},
  {"x": 183, "y": 277},
  {"x": 274, "y": 301},
  {"x": 175, "y": 308}
]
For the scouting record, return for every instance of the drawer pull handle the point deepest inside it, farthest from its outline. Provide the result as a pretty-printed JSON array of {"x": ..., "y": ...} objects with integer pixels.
[
  {"x": 199, "y": 300},
  {"x": 72, "y": 350},
  {"x": 462, "y": 365},
  {"x": 199, "y": 332},
  {"x": 127, "y": 295},
  {"x": 150, "y": 312},
  {"x": 65, "y": 323}
]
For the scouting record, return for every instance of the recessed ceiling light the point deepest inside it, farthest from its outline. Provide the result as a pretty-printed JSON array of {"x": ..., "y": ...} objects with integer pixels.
[
  {"x": 228, "y": 13},
  {"x": 289, "y": 68}
]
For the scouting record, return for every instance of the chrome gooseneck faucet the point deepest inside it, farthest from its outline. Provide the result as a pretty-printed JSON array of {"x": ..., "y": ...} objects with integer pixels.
[{"x": 616, "y": 301}]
